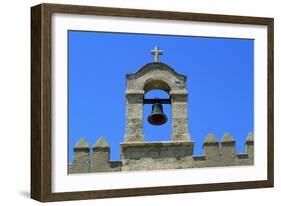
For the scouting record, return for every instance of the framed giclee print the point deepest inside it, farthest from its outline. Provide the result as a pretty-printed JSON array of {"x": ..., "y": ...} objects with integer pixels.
[{"x": 132, "y": 102}]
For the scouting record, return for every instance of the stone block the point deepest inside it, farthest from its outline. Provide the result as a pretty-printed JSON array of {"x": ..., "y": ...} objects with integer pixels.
[
  {"x": 134, "y": 130},
  {"x": 81, "y": 160},
  {"x": 101, "y": 145},
  {"x": 153, "y": 153},
  {"x": 81, "y": 144},
  {"x": 180, "y": 152},
  {"x": 138, "y": 153},
  {"x": 211, "y": 150},
  {"x": 249, "y": 146},
  {"x": 100, "y": 156},
  {"x": 164, "y": 152},
  {"x": 228, "y": 150},
  {"x": 179, "y": 110}
]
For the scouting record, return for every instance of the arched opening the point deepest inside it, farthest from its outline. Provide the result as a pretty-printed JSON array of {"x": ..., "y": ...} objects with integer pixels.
[
  {"x": 156, "y": 85},
  {"x": 159, "y": 132}
]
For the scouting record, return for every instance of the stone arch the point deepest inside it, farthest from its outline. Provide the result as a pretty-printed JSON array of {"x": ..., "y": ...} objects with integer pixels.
[
  {"x": 156, "y": 71},
  {"x": 151, "y": 84},
  {"x": 156, "y": 75}
]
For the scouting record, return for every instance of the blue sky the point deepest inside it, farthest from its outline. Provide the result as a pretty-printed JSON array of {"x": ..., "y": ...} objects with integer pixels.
[{"x": 220, "y": 81}]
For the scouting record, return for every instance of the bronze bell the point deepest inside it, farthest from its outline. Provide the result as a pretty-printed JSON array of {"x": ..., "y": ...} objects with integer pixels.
[{"x": 157, "y": 116}]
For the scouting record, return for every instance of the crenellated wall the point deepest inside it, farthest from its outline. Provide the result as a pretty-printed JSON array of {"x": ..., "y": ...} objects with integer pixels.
[{"x": 160, "y": 155}]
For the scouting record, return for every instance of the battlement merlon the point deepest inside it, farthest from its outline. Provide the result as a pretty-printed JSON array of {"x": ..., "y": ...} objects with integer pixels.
[{"x": 81, "y": 159}]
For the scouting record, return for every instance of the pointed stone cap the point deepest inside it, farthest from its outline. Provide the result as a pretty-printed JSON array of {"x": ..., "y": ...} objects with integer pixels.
[
  {"x": 250, "y": 138},
  {"x": 227, "y": 138},
  {"x": 210, "y": 139},
  {"x": 101, "y": 144},
  {"x": 82, "y": 144}
]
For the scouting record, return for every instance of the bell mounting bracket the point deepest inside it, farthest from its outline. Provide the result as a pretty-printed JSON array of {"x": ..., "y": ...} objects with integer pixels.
[{"x": 152, "y": 101}]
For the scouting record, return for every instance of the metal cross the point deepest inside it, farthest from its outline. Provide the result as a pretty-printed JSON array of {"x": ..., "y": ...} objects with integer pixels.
[{"x": 156, "y": 52}]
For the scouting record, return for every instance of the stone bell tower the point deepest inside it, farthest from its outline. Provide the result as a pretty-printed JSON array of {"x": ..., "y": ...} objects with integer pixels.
[
  {"x": 156, "y": 75},
  {"x": 137, "y": 154}
]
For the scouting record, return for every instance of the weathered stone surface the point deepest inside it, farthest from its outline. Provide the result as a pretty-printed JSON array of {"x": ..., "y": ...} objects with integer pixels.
[
  {"x": 101, "y": 144},
  {"x": 134, "y": 116},
  {"x": 100, "y": 161},
  {"x": 227, "y": 138},
  {"x": 228, "y": 150},
  {"x": 210, "y": 139},
  {"x": 211, "y": 150},
  {"x": 81, "y": 160},
  {"x": 250, "y": 138},
  {"x": 249, "y": 146},
  {"x": 82, "y": 144},
  {"x": 179, "y": 96},
  {"x": 155, "y": 71},
  {"x": 100, "y": 158},
  {"x": 161, "y": 155}
]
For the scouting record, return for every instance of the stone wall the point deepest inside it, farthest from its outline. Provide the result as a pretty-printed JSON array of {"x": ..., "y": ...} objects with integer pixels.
[{"x": 160, "y": 155}]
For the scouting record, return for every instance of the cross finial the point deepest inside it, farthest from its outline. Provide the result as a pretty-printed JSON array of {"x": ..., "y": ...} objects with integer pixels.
[{"x": 156, "y": 52}]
